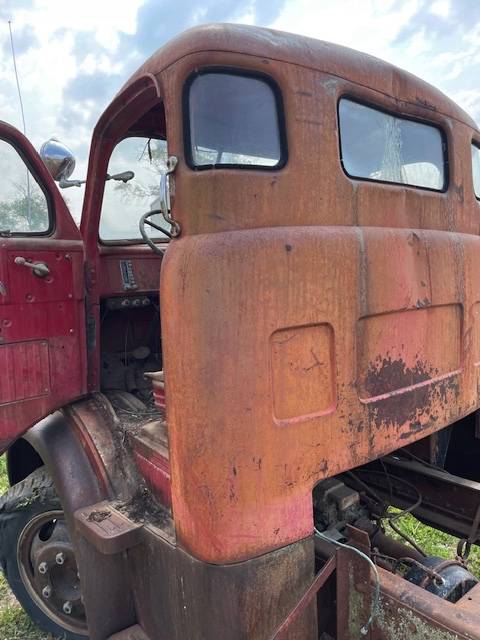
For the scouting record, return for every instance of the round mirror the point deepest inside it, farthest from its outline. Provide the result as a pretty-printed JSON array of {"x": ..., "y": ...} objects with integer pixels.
[{"x": 58, "y": 159}]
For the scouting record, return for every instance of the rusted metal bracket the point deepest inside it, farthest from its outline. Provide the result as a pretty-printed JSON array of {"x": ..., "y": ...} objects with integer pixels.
[{"x": 318, "y": 582}]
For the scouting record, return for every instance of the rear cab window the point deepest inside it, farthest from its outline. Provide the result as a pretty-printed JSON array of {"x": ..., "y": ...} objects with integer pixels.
[
  {"x": 476, "y": 168},
  {"x": 233, "y": 120},
  {"x": 379, "y": 146}
]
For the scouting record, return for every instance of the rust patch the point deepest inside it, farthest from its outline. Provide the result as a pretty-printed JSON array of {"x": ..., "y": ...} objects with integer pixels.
[
  {"x": 99, "y": 516},
  {"x": 418, "y": 401},
  {"x": 394, "y": 374}
]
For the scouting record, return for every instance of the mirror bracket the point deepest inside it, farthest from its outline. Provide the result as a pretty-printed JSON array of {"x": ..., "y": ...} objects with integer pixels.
[
  {"x": 165, "y": 203},
  {"x": 64, "y": 184}
]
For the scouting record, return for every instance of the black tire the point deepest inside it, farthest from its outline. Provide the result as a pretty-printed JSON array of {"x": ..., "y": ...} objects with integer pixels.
[{"x": 25, "y": 503}]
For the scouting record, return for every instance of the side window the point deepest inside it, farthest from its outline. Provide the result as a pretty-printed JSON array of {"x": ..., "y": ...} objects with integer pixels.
[
  {"x": 379, "y": 146},
  {"x": 476, "y": 170},
  {"x": 233, "y": 121},
  {"x": 23, "y": 205}
]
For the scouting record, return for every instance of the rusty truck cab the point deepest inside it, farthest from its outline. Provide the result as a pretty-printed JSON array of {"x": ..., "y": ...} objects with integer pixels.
[{"x": 313, "y": 346}]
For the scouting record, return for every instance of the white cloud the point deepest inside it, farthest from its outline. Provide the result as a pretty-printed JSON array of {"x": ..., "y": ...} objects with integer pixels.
[
  {"x": 370, "y": 26},
  {"x": 440, "y": 8}
]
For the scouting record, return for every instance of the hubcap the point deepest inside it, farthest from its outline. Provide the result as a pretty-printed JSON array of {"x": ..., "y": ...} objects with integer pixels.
[{"x": 48, "y": 569}]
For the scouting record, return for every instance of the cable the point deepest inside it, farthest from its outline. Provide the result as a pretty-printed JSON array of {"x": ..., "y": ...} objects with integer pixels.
[
  {"x": 412, "y": 456},
  {"x": 376, "y": 597},
  {"x": 388, "y": 516},
  {"x": 412, "y": 487},
  {"x": 407, "y": 538},
  {"x": 22, "y": 112},
  {"x": 16, "y": 77}
]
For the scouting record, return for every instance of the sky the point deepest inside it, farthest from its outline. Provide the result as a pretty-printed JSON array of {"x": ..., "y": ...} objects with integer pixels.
[{"x": 73, "y": 57}]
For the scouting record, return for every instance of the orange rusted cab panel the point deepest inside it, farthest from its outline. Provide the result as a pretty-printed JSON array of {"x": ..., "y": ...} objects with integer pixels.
[{"x": 311, "y": 321}]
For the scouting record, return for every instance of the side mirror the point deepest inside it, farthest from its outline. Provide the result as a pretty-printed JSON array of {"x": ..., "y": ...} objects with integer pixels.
[{"x": 60, "y": 162}]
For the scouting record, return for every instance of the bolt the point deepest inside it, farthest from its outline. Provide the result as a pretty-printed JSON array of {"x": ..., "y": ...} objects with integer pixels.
[
  {"x": 67, "y": 608},
  {"x": 47, "y": 592},
  {"x": 60, "y": 558},
  {"x": 42, "y": 568}
]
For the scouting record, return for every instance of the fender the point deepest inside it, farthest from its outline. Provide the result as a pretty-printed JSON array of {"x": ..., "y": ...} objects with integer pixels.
[{"x": 68, "y": 450}]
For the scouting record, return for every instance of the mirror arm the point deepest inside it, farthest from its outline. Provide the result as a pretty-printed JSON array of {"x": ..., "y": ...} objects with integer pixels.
[
  {"x": 64, "y": 184},
  {"x": 124, "y": 177}
]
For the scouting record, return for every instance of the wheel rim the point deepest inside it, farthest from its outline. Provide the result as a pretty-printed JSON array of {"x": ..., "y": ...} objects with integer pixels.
[{"x": 48, "y": 568}]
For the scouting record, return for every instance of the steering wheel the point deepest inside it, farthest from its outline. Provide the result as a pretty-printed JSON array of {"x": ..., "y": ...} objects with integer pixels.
[{"x": 144, "y": 220}]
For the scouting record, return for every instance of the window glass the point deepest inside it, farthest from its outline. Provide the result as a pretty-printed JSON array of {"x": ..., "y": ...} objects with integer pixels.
[
  {"x": 476, "y": 169},
  {"x": 124, "y": 203},
  {"x": 378, "y": 146},
  {"x": 23, "y": 205},
  {"x": 233, "y": 121}
]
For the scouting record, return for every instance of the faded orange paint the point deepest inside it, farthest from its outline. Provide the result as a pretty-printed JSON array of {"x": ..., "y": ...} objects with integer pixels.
[{"x": 311, "y": 322}]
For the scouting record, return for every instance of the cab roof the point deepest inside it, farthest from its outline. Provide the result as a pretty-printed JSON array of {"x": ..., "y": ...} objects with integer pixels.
[{"x": 336, "y": 60}]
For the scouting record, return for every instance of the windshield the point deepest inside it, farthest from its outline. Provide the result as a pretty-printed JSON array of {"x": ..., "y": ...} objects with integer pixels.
[{"x": 125, "y": 202}]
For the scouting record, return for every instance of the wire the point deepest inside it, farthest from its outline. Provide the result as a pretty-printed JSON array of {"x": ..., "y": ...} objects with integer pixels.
[
  {"x": 16, "y": 77},
  {"x": 412, "y": 487},
  {"x": 376, "y": 597},
  {"x": 388, "y": 516},
  {"x": 417, "y": 459},
  {"x": 407, "y": 538},
  {"x": 22, "y": 112}
]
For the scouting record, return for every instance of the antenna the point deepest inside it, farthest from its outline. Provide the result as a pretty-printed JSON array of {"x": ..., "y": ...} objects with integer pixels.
[{"x": 22, "y": 112}]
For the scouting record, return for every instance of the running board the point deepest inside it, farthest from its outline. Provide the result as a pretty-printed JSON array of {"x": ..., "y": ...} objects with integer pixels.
[
  {"x": 108, "y": 530},
  {"x": 132, "y": 633}
]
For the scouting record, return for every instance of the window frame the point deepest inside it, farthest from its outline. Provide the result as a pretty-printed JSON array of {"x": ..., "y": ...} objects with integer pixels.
[
  {"x": 474, "y": 143},
  {"x": 46, "y": 192},
  {"x": 399, "y": 116},
  {"x": 281, "y": 120}
]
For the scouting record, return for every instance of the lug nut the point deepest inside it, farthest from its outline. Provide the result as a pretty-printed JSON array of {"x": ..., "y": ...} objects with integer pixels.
[
  {"x": 42, "y": 568},
  {"x": 60, "y": 558},
  {"x": 47, "y": 592},
  {"x": 67, "y": 608}
]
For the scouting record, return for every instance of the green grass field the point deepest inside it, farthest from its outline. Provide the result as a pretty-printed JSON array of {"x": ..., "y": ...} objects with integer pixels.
[{"x": 15, "y": 625}]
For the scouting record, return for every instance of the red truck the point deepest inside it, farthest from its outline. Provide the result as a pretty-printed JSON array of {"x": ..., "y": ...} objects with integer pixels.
[{"x": 261, "y": 349}]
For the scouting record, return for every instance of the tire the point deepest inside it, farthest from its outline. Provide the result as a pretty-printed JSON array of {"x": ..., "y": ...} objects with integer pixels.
[{"x": 33, "y": 533}]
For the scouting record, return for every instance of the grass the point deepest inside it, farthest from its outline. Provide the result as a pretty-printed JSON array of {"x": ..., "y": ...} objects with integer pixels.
[
  {"x": 15, "y": 624},
  {"x": 435, "y": 543}
]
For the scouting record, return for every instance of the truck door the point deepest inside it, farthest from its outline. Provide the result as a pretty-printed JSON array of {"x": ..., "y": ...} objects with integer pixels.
[{"x": 42, "y": 326}]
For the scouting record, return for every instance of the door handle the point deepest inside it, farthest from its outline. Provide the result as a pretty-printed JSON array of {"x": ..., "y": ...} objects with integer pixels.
[{"x": 40, "y": 269}]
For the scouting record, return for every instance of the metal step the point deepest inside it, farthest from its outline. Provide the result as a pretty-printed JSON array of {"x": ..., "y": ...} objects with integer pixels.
[
  {"x": 132, "y": 633},
  {"x": 108, "y": 530}
]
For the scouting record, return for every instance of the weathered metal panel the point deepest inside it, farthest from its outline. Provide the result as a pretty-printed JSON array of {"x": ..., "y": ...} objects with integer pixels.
[
  {"x": 303, "y": 372},
  {"x": 42, "y": 334},
  {"x": 400, "y": 371},
  {"x": 25, "y": 368},
  {"x": 178, "y": 597}
]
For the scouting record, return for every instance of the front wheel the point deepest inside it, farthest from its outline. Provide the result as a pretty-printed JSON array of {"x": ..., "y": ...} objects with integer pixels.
[{"x": 38, "y": 559}]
